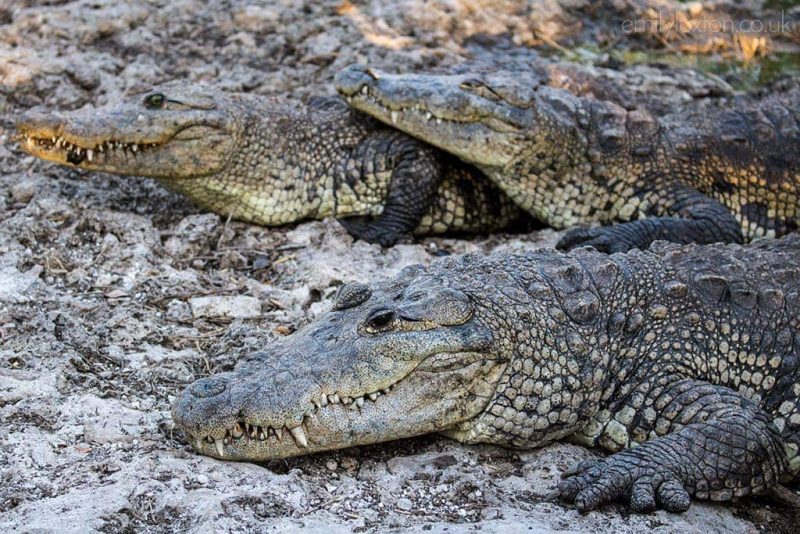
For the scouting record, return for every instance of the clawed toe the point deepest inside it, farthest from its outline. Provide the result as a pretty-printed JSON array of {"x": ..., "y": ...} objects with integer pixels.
[{"x": 589, "y": 484}]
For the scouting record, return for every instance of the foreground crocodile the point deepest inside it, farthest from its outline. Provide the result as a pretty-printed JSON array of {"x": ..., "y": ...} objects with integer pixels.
[
  {"x": 690, "y": 351},
  {"x": 250, "y": 158},
  {"x": 704, "y": 173}
]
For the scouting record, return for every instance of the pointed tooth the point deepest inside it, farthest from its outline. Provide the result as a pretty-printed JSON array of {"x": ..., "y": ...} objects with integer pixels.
[
  {"x": 238, "y": 431},
  {"x": 89, "y": 154},
  {"x": 134, "y": 147},
  {"x": 364, "y": 90},
  {"x": 438, "y": 120},
  {"x": 360, "y": 401},
  {"x": 323, "y": 400},
  {"x": 386, "y": 391},
  {"x": 336, "y": 399},
  {"x": 218, "y": 445},
  {"x": 299, "y": 436},
  {"x": 100, "y": 148},
  {"x": 261, "y": 435},
  {"x": 346, "y": 400},
  {"x": 58, "y": 142},
  {"x": 395, "y": 116},
  {"x": 428, "y": 115},
  {"x": 278, "y": 433},
  {"x": 53, "y": 139},
  {"x": 373, "y": 396}
]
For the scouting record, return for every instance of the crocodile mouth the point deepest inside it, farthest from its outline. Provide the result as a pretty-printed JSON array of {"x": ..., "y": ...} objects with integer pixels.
[
  {"x": 242, "y": 417},
  {"x": 478, "y": 132},
  {"x": 247, "y": 437},
  {"x": 60, "y": 148},
  {"x": 367, "y": 99}
]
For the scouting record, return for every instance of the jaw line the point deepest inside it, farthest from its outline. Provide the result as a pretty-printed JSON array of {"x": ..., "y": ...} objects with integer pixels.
[
  {"x": 66, "y": 148},
  {"x": 353, "y": 424},
  {"x": 441, "y": 128}
]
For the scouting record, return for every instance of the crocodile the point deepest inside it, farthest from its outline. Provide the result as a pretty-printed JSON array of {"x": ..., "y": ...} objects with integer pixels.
[
  {"x": 718, "y": 170},
  {"x": 682, "y": 360},
  {"x": 257, "y": 160}
]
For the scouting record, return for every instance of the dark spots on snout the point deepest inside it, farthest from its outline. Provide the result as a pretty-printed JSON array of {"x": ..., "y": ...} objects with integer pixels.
[{"x": 210, "y": 387}]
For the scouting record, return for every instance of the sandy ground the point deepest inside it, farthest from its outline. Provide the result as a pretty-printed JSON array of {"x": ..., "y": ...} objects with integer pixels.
[{"x": 115, "y": 293}]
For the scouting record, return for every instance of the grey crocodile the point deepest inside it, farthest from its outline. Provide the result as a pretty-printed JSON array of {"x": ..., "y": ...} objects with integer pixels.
[
  {"x": 250, "y": 158},
  {"x": 689, "y": 352},
  {"x": 719, "y": 170}
]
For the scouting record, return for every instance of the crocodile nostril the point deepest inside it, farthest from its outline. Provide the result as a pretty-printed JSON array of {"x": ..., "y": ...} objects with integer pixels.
[{"x": 210, "y": 387}]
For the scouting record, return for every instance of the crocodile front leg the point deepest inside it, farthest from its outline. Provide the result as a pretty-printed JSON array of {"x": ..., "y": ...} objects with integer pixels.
[
  {"x": 416, "y": 176},
  {"x": 712, "y": 444},
  {"x": 692, "y": 217}
]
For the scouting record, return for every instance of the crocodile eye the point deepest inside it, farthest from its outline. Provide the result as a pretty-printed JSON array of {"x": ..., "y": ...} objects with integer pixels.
[
  {"x": 380, "y": 319},
  {"x": 154, "y": 101}
]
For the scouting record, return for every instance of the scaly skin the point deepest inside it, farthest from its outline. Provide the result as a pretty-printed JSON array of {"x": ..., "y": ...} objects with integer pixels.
[
  {"x": 691, "y": 352},
  {"x": 704, "y": 173},
  {"x": 244, "y": 156}
]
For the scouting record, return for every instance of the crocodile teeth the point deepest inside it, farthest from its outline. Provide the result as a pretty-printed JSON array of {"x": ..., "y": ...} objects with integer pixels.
[
  {"x": 323, "y": 400},
  {"x": 428, "y": 116},
  {"x": 261, "y": 435},
  {"x": 360, "y": 401},
  {"x": 218, "y": 445},
  {"x": 299, "y": 436},
  {"x": 346, "y": 400},
  {"x": 438, "y": 120},
  {"x": 238, "y": 432},
  {"x": 58, "y": 142},
  {"x": 89, "y": 154},
  {"x": 336, "y": 399},
  {"x": 364, "y": 90},
  {"x": 134, "y": 147},
  {"x": 373, "y": 396},
  {"x": 395, "y": 116}
]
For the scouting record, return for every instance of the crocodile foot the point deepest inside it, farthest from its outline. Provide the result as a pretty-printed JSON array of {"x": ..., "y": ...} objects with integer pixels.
[{"x": 648, "y": 485}]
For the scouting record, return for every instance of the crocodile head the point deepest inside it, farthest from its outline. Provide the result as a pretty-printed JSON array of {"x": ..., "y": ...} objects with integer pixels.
[
  {"x": 482, "y": 120},
  {"x": 403, "y": 358},
  {"x": 171, "y": 132}
]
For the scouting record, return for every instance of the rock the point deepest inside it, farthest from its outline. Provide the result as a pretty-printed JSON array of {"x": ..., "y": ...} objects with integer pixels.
[
  {"x": 226, "y": 307},
  {"x": 179, "y": 311},
  {"x": 24, "y": 190}
]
